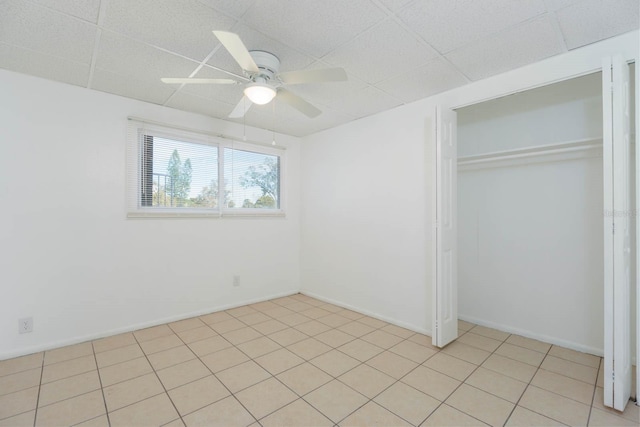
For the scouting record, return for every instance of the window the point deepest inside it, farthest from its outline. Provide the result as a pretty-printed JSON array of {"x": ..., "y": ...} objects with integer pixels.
[{"x": 179, "y": 173}]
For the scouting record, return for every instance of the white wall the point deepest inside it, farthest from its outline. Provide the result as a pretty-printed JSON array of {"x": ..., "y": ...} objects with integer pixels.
[{"x": 72, "y": 260}]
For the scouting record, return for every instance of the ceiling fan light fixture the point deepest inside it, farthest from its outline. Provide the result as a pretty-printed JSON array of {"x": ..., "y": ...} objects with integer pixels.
[{"x": 260, "y": 93}]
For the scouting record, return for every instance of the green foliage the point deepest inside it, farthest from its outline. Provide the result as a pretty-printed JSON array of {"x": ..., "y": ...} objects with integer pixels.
[
  {"x": 266, "y": 177},
  {"x": 180, "y": 175}
]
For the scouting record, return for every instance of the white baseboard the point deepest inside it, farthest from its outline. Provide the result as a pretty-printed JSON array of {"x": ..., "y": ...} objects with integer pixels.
[
  {"x": 368, "y": 313},
  {"x": 90, "y": 337}
]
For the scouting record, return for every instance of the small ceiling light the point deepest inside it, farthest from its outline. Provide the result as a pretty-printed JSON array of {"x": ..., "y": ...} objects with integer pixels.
[{"x": 260, "y": 93}]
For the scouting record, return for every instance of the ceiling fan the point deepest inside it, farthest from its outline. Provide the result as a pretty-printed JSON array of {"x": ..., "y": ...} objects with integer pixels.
[{"x": 262, "y": 78}]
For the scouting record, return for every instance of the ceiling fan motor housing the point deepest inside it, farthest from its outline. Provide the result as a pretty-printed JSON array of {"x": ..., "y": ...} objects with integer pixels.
[{"x": 268, "y": 63}]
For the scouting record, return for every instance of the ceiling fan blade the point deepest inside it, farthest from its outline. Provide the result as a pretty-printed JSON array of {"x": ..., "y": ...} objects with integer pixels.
[
  {"x": 241, "y": 109},
  {"x": 314, "y": 76},
  {"x": 298, "y": 103},
  {"x": 237, "y": 49},
  {"x": 199, "y": 81}
]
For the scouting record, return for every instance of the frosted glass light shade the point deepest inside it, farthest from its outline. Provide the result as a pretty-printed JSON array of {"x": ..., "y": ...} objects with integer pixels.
[{"x": 259, "y": 94}]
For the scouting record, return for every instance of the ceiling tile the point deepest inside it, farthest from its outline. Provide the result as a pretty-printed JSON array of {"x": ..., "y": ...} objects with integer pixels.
[
  {"x": 366, "y": 101},
  {"x": 435, "y": 77},
  {"x": 34, "y": 27},
  {"x": 38, "y": 64},
  {"x": 300, "y": 125},
  {"x": 593, "y": 20},
  {"x": 553, "y": 5},
  {"x": 144, "y": 90},
  {"x": 290, "y": 59},
  {"x": 83, "y": 9},
  {"x": 513, "y": 48},
  {"x": 139, "y": 61},
  {"x": 331, "y": 94},
  {"x": 394, "y": 5},
  {"x": 315, "y": 27},
  {"x": 196, "y": 104},
  {"x": 183, "y": 27},
  {"x": 381, "y": 52},
  {"x": 235, "y": 8},
  {"x": 447, "y": 25}
]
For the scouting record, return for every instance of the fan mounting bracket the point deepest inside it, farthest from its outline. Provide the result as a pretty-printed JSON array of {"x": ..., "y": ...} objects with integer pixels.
[{"x": 267, "y": 63}]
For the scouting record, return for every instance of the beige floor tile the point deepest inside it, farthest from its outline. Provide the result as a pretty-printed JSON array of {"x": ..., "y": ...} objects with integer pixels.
[
  {"x": 298, "y": 413},
  {"x": 334, "y": 338},
  {"x": 241, "y": 311},
  {"x": 522, "y": 417},
  {"x": 294, "y": 319},
  {"x": 554, "y": 406},
  {"x": 227, "y": 326},
  {"x": 309, "y": 348},
  {"x": 288, "y": 336},
  {"x": 25, "y": 419},
  {"x": 447, "y": 416},
  {"x": 279, "y": 361},
  {"x": 264, "y": 306},
  {"x": 217, "y": 317},
  {"x": 600, "y": 380},
  {"x": 407, "y": 402},
  {"x": 16, "y": 403},
  {"x": 451, "y": 366},
  {"x": 509, "y": 367},
  {"x": 631, "y": 412},
  {"x": 331, "y": 307},
  {"x": 392, "y": 364},
  {"x": 356, "y": 329},
  {"x": 258, "y": 347},
  {"x": 265, "y": 397},
  {"x": 490, "y": 333},
  {"x": 465, "y": 326},
  {"x": 334, "y": 320},
  {"x": 68, "y": 387},
  {"x": 197, "y": 334},
  {"x": 241, "y": 335},
  {"x": 186, "y": 324},
  {"x": 132, "y": 391},
  {"x": 336, "y": 400},
  {"x": 520, "y": 354},
  {"x": 72, "y": 411},
  {"x": 564, "y": 386},
  {"x": 156, "y": 410},
  {"x": 466, "y": 353},
  {"x": 182, "y": 373},
  {"x": 101, "y": 421},
  {"x": 312, "y": 328},
  {"x": 198, "y": 394},
  {"x": 575, "y": 356},
  {"x": 367, "y": 380},
  {"x": 497, "y": 384},
  {"x": 311, "y": 312},
  {"x": 373, "y": 414},
  {"x": 225, "y": 413},
  {"x": 173, "y": 356},
  {"x": 113, "y": 342},
  {"x": 152, "y": 333},
  {"x": 349, "y": 314},
  {"x": 529, "y": 343},
  {"x": 117, "y": 355},
  {"x": 278, "y": 312},
  {"x": 270, "y": 326},
  {"x": 22, "y": 363},
  {"x": 398, "y": 331},
  {"x": 163, "y": 343},
  {"x": 209, "y": 345},
  {"x": 20, "y": 381},
  {"x": 304, "y": 378},
  {"x": 284, "y": 301},
  {"x": 224, "y": 359},
  {"x": 124, "y": 371},
  {"x": 360, "y": 350},
  {"x": 431, "y": 382},
  {"x": 573, "y": 370},
  {"x": 68, "y": 352},
  {"x": 607, "y": 419},
  {"x": 382, "y": 339},
  {"x": 371, "y": 321},
  {"x": 478, "y": 341},
  {"x": 424, "y": 340},
  {"x": 412, "y": 351},
  {"x": 481, "y": 405},
  {"x": 61, "y": 370},
  {"x": 335, "y": 363},
  {"x": 254, "y": 318},
  {"x": 242, "y": 376}
]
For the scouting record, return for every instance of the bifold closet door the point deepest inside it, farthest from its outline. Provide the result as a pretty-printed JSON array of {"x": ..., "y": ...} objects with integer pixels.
[
  {"x": 445, "y": 250},
  {"x": 617, "y": 237}
]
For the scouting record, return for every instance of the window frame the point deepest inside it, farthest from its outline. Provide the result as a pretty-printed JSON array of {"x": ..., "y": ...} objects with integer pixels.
[{"x": 135, "y": 146}]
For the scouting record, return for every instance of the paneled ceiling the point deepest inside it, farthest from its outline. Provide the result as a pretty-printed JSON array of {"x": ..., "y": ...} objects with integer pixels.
[{"x": 394, "y": 51}]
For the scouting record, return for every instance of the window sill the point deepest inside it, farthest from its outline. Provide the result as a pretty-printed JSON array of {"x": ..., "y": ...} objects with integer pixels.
[{"x": 205, "y": 215}]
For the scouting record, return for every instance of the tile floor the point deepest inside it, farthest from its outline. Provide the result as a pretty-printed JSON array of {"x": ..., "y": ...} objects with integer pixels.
[{"x": 301, "y": 362}]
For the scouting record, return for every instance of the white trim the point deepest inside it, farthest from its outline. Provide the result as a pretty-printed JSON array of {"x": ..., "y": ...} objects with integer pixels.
[{"x": 90, "y": 337}]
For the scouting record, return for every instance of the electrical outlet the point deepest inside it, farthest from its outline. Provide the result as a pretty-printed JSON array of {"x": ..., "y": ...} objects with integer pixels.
[
  {"x": 236, "y": 280},
  {"x": 25, "y": 325}
]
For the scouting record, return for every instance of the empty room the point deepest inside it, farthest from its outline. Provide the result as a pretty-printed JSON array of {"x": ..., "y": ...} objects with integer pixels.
[{"x": 319, "y": 213}]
